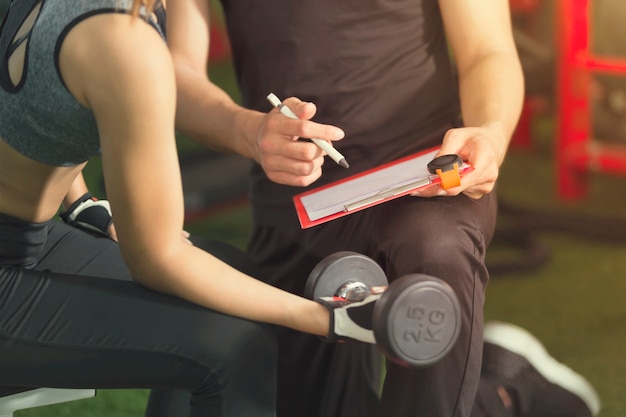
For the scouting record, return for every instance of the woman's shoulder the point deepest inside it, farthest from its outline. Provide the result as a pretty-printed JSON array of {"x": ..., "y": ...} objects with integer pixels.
[{"x": 116, "y": 50}]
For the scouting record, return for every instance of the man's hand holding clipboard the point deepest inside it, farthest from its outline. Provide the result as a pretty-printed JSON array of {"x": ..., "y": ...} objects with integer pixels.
[{"x": 408, "y": 175}]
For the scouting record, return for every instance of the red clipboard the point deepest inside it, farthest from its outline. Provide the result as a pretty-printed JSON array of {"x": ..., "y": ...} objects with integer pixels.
[{"x": 367, "y": 189}]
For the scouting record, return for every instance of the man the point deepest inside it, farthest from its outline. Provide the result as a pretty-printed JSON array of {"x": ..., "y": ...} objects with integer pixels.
[{"x": 381, "y": 70}]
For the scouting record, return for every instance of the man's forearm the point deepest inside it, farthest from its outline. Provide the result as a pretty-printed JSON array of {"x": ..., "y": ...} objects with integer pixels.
[
  {"x": 209, "y": 116},
  {"x": 492, "y": 92}
]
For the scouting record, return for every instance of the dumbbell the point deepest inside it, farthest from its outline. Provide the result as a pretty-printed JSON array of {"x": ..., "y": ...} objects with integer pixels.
[{"x": 416, "y": 320}]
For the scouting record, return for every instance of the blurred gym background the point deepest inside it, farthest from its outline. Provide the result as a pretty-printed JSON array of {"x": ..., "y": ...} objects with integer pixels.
[{"x": 558, "y": 261}]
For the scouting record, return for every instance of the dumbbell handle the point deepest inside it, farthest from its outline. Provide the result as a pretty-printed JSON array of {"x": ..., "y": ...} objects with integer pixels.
[{"x": 353, "y": 291}]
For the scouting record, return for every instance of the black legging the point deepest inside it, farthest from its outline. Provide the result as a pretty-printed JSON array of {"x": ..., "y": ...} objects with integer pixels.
[
  {"x": 71, "y": 317},
  {"x": 444, "y": 237}
]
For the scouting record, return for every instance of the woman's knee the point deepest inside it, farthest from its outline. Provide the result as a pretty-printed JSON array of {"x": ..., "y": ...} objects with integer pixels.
[
  {"x": 242, "y": 376},
  {"x": 232, "y": 344}
]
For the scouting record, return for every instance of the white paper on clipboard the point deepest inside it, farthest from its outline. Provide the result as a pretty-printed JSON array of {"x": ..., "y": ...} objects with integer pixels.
[{"x": 368, "y": 188}]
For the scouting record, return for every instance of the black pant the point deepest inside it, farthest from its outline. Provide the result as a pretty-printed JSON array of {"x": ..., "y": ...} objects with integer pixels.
[
  {"x": 443, "y": 237},
  {"x": 71, "y": 317}
]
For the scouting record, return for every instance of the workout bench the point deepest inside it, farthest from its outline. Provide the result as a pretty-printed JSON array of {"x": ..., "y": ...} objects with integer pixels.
[{"x": 14, "y": 399}]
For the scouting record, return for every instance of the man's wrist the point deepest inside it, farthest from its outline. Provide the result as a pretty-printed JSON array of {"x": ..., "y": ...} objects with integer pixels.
[{"x": 248, "y": 130}]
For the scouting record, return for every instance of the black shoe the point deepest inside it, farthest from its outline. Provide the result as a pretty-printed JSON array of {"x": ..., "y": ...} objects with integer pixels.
[{"x": 538, "y": 384}]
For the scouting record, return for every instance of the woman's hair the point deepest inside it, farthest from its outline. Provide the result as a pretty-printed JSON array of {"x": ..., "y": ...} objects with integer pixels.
[{"x": 143, "y": 7}]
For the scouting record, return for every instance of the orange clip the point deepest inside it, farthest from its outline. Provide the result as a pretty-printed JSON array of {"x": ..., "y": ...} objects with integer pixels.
[
  {"x": 447, "y": 168},
  {"x": 450, "y": 178}
]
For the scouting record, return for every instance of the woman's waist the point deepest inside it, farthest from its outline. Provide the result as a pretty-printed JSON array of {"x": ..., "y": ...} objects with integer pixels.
[
  {"x": 29, "y": 190},
  {"x": 21, "y": 241},
  {"x": 27, "y": 209}
]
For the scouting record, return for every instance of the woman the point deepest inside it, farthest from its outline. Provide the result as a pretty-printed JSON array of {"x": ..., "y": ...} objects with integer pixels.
[{"x": 81, "y": 78}]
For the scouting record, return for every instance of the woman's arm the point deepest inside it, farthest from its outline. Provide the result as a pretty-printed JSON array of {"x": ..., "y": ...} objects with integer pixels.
[{"x": 122, "y": 70}]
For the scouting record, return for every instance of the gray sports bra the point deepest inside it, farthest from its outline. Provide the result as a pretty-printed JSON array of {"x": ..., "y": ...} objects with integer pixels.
[{"x": 38, "y": 116}]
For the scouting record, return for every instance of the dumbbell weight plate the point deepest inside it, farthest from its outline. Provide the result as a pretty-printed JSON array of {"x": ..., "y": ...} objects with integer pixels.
[
  {"x": 332, "y": 272},
  {"x": 417, "y": 320}
]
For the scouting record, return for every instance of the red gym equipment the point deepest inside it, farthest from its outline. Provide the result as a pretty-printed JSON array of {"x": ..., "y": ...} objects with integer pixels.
[{"x": 577, "y": 152}]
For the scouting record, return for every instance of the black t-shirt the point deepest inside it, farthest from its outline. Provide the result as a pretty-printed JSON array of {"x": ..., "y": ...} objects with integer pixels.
[{"x": 379, "y": 69}]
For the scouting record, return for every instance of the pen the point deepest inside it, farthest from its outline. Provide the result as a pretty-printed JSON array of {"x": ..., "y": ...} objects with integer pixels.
[{"x": 324, "y": 145}]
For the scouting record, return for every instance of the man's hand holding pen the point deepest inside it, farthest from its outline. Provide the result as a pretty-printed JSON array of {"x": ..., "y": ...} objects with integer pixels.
[
  {"x": 323, "y": 145},
  {"x": 284, "y": 158}
]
